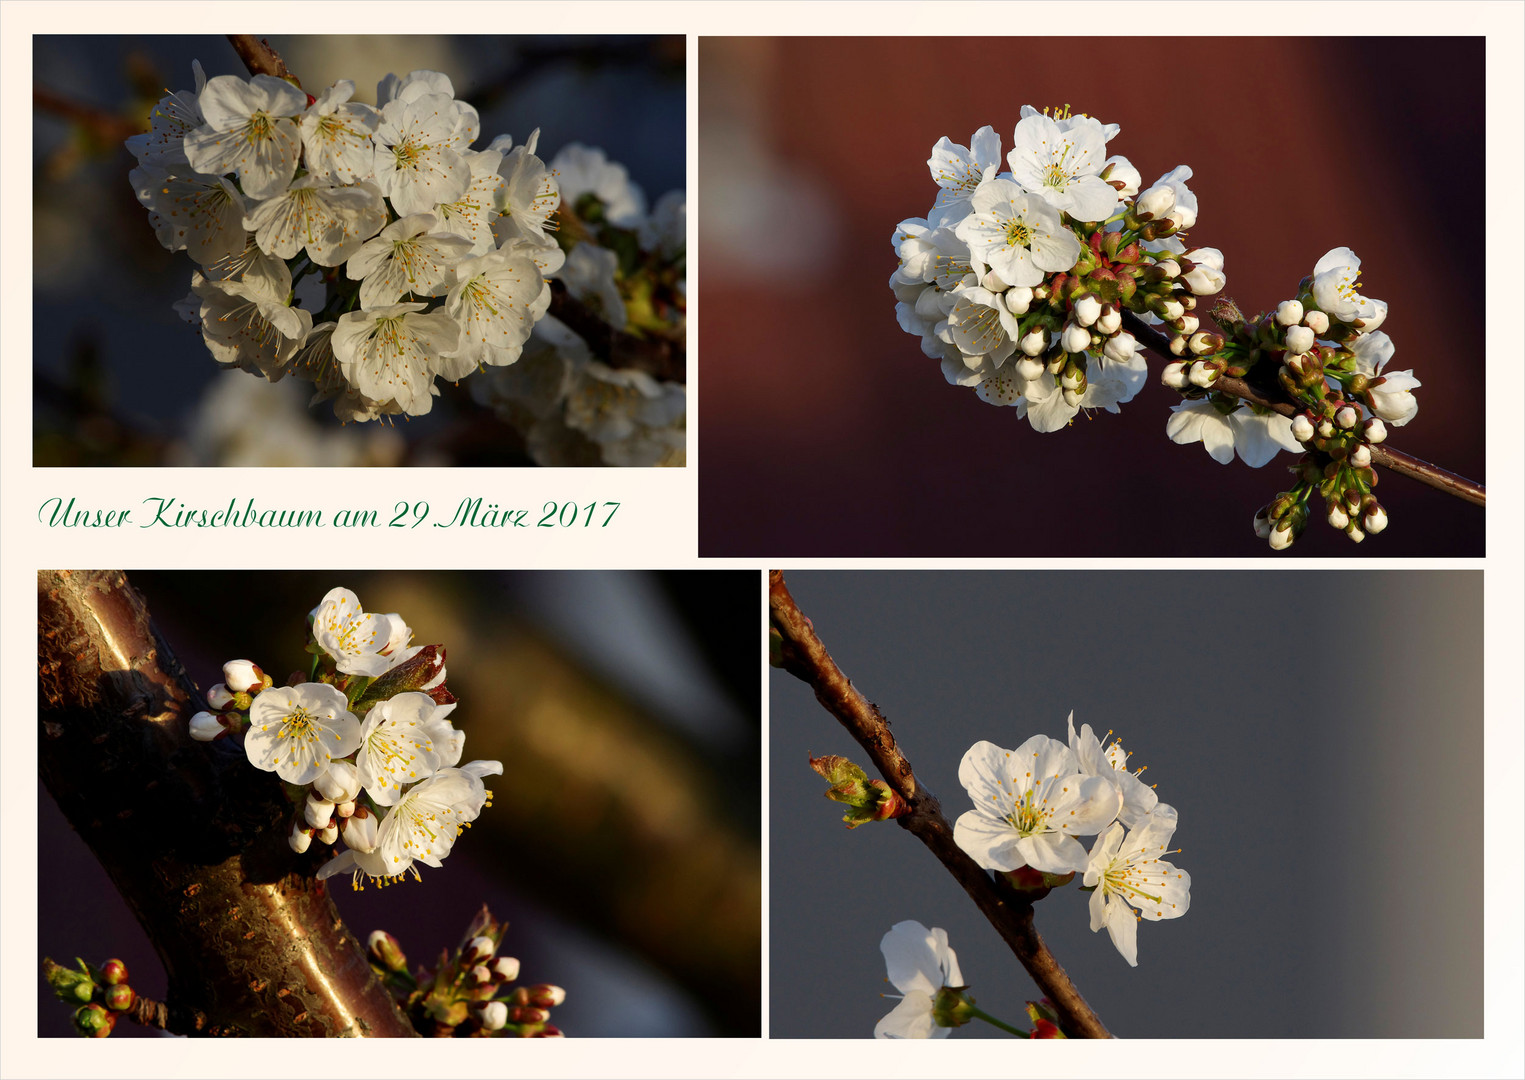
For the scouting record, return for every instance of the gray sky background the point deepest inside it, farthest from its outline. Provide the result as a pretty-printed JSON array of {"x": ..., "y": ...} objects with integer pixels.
[{"x": 1320, "y": 734}]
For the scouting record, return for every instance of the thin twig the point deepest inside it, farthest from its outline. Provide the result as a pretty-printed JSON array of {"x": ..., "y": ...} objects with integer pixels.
[
  {"x": 106, "y": 126},
  {"x": 1396, "y": 460},
  {"x": 807, "y": 659},
  {"x": 259, "y": 57}
]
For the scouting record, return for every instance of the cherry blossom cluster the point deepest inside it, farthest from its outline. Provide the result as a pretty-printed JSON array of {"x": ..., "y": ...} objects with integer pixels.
[
  {"x": 628, "y": 267},
  {"x": 365, "y": 743},
  {"x": 368, "y": 250},
  {"x": 1017, "y": 280},
  {"x": 1322, "y": 349},
  {"x": 467, "y": 995}
]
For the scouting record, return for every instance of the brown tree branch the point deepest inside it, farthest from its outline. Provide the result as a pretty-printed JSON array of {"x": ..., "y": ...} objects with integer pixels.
[
  {"x": 659, "y": 359},
  {"x": 259, "y": 57},
  {"x": 1386, "y": 456},
  {"x": 193, "y": 839},
  {"x": 109, "y": 128},
  {"x": 806, "y": 658}
]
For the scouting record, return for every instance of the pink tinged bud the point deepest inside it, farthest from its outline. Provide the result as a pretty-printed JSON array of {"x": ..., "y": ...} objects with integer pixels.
[
  {"x": 1076, "y": 339},
  {"x": 94, "y": 1020},
  {"x": 1346, "y": 417},
  {"x": 506, "y": 968},
  {"x": 493, "y": 1015},
  {"x": 219, "y": 697},
  {"x": 1316, "y": 321},
  {"x": 1281, "y": 538},
  {"x": 1337, "y": 516},
  {"x": 1174, "y": 375},
  {"x": 1375, "y": 519},
  {"x": 1018, "y": 299},
  {"x": 205, "y": 727},
  {"x": 1029, "y": 369},
  {"x": 1325, "y": 428},
  {"x": 242, "y": 676},
  {"x": 318, "y": 812},
  {"x": 1375, "y": 431},
  {"x": 361, "y": 831},
  {"x": 1290, "y": 313},
  {"x": 547, "y": 996},
  {"x": 329, "y": 835},
  {"x": 480, "y": 948},
  {"x": 1034, "y": 342},
  {"x": 1203, "y": 374},
  {"x": 340, "y": 782},
  {"x": 113, "y": 972},
  {"x": 1299, "y": 339},
  {"x": 119, "y": 998},
  {"x": 300, "y": 839},
  {"x": 481, "y": 975},
  {"x": 1302, "y": 427},
  {"x": 1111, "y": 321},
  {"x": 1087, "y": 310},
  {"x": 1157, "y": 202},
  {"x": 344, "y": 809},
  {"x": 1360, "y": 457}
]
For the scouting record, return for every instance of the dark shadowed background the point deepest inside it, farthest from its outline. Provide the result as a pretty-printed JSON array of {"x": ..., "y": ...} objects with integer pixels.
[
  {"x": 828, "y": 433},
  {"x": 1319, "y": 733},
  {"x": 119, "y": 379},
  {"x": 613, "y": 700}
]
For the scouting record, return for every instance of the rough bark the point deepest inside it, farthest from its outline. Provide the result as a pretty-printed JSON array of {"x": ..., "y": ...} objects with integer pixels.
[{"x": 192, "y": 836}]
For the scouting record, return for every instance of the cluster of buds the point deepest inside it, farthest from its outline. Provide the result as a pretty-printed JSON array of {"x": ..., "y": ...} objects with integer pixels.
[
  {"x": 363, "y": 741},
  {"x": 1323, "y": 350},
  {"x": 1017, "y": 281},
  {"x": 467, "y": 995},
  {"x": 866, "y": 800},
  {"x": 101, "y": 994}
]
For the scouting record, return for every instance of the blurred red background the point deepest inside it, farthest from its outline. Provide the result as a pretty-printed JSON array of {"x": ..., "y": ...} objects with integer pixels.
[{"x": 826, "y": 432}]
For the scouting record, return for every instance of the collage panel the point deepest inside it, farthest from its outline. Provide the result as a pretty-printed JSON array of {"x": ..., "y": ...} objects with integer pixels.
[
  {"x": 521, "y": 843},
  {"x": 1216, "y": 805},
  {"x": 995, "y": 308},
  {"x": 358, "y": 250}
]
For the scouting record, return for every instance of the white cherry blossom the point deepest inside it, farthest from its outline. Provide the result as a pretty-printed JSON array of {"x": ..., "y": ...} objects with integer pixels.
[
  {"x": 958, "y": 170},
  {"x": 1335, "y": 284},
  {"x": 496, "y": 300},
  {"x": 586, "y": 170},
  {"x": 1062, "y": 164},
  {"x": 393, "y": 353},
  {"x": 201, "y": 215},
  {"x": 1128, "y": 872},
  {"x": 1256, "y": 436},
  {"x": 249, "y": 130},
  {"x": 407, "y": 259},
  {"x": 417, "y": 164},
  {"x": 1017, "y": 234},
  {"x": 1393, "y": 397},
  {"x": 919, "y": 963},
  {"x": 297, "y": 731},
  {"x": 174, "y": 117},
  {"x": 396, "y": 746},
  {"x": 328, "y": 221},
  {"x": 336, "y": 136},
  {"x": 246, "y": 327},
  {"x": 351, "y": 635}
]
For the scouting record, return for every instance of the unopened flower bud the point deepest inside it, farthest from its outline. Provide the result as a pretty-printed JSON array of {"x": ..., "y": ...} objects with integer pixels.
[
  {"x": 1110, "y": 322},
  {"x": 1289, "y": 313},
  {"x": 1316, "y": 321},
  {"x": 1263, "y": 522},
  {"x": 1178, "y": 345},
  {"x": 219, "y": 697},
  {"x": 1170, "y": 268},
  {"x": 1034, "y": 342},
  {"x": 493, "y": 1015},
  {"x": 318, "y": 811},
  {"x": 1120, "y": 347},
  {"x": 1029, "y": 369},
  {"x": 1354, "y": 532},
  {"x": 1205, "y": 281},
  {"x": 1156, "y": 202},
  {"x": 1086, "y": 310},
  {"x": 1174, "y": 375},
  {"x": 550, "y": 1031},
  {"x": 547, "y": 996},
  {"x": 1058, "y": 362},
  {"x": 479, "y": 948},
  {"x": 1302, "y": 427},
  {"x": 242, "y": 676},
  {"x": 1281, "y": 537},
  {"x": 1325, "y": 428},
  {"x": 344, "y": 809},
  {"x": 386, "y": 951},
  {"x": 205, "y": 727},
  {"x": 1360, "y": 457},
  {"x": 94, "y": 1020},
  {"x": 1075, "y": 339},
  {"x": 528, "y": 1014},
  {"x": 300, "y": 838},
  {"x": 1299, "y": 339},
  {"x": 1204, "y": 342},
  {"x": 506, "y": 968},
  {"x": 338, "y": 783},
  {"x": 993, "y": 282},
  {"x": 119, "y": 998},
  {"x": 1346, "y": 417},
  {"x": 329, "y": 835},
  {"x": 1375, "y": 519},
  {"x": 481, "y": 975},
  {"x": 1337, "y": 516},
  {"x": 1071, "y": 397},
  {"x": 1203, "y": 374},
  {"x": 1171, "y": 310},
  {"x": 1018, "y": 299},
  {"x": 360, "y": 830},
  {"x": 1374, "y": 430},
  {"x": 113, "y": 972},
  {"x": 1072, "y": 379}
]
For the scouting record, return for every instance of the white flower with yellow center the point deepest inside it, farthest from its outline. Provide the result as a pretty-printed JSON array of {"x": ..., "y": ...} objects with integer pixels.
[
  {"x": 352, "y": 636},
  {"x": 958, "y": 170},
  {"x": 201, "y": 215},
  {"x": 471, "y": 215},
  {"x": 408, "y": 259},
  {"x": 1335, "y": 284},
  {"x": 1111, "y": 763},
  {"x": 417, "y": 164},
  {"x": 1392, "y": 393},
  {"x": 244, "y": 326},
  {"x": 336, "y": 135},
  {"x": 296, "y": 731},
  {"x": 496, "y": 300},
  {"x": 1030, "y": 805},
  {"x": 1017, "y": 234},
  {"x": 249, "y": 130},
  {"x": 396, "y": 747},
  {"x": 175, "y": 116},
  {"x": 919, "y": 963},
  {"x": 1128, "y": 872},
  {"x": 530, "y": 194},
  {"x": 1062, "y": 163},
  {"x": 328, "y": 221},
  {"x": 393, "y": 353}
]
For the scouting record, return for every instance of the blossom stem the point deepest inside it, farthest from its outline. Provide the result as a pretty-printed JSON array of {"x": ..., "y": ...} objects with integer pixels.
[
  {"x": 1405, "y": 464},
  {"x": 981, "y": 1014},
  {"x": 806, "y": 658},
  {"x": 259, "y": 57}
]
